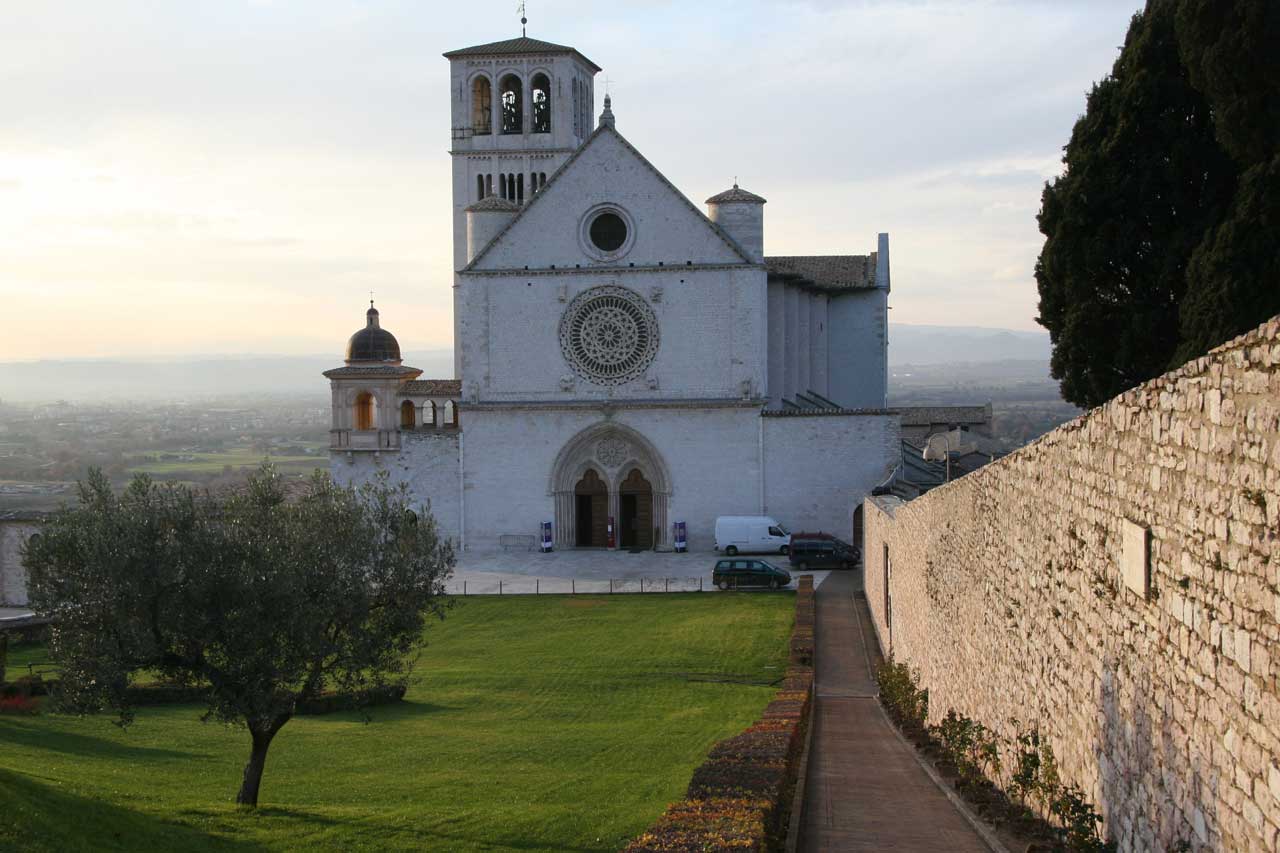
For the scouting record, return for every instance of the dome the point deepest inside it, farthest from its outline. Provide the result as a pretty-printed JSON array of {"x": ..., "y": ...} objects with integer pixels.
[
  {"x": 373, "y": 343},
  {"x": 737, "y": 195},
  {"x": 493, "y": 203}
]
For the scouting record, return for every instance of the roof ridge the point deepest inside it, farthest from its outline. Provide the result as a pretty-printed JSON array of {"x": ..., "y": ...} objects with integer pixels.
[{"x": 519, "y": 44}]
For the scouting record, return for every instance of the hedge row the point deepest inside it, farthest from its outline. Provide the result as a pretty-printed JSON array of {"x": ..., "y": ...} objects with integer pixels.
[
  {"x": 177, "y": 694},
  {"x": 740, "y": 797}
]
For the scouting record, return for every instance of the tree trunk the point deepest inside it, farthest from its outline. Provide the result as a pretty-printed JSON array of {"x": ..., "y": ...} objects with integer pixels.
[{"x": 248, "y": 795}]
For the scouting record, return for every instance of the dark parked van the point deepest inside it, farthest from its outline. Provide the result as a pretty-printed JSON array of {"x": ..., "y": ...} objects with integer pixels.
[{"x": 825, "y": 553}]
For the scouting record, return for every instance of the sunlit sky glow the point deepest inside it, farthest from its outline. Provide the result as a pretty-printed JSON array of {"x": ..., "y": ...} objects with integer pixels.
[{"x": 234, "y": 177}]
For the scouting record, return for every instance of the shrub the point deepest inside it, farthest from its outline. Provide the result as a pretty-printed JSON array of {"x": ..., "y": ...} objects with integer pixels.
[
  {"x": 972, "y": 747},
  {"x": 902, "y": 697}
]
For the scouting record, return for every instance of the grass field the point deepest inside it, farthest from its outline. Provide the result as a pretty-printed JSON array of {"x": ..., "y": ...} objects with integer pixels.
[
  {"x": 532, "y": 723},
  {"x": 213, "y": 463}
]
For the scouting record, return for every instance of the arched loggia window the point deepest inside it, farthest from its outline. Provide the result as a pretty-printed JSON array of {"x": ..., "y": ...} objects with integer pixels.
[
  {"x": 481, "y": 106},
  {"x": 512, "y": 104},
  {"x": 540, "y": 95},
  {"x": 365, "y": 411},
  {"x": 408, "y": 417}
]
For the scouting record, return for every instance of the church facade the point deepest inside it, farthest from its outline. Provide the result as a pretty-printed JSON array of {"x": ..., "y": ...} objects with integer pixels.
[{"x": 623, "y": 359}]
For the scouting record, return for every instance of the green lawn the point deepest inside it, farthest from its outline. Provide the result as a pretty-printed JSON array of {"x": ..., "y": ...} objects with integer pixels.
[
  {"x": 237, "y": 457},
  {"x": 532, "y": 723}
]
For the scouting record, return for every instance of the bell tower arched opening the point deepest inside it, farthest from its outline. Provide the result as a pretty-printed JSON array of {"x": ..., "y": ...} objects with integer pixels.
[
  {"x": 481, "y": 106},
  {"x": 512, "y": 104},
  {"x": 540, "y": 98}
]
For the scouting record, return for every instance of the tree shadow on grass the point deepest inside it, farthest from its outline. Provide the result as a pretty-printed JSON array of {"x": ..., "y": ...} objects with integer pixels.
[
  {"x": 40, "y": 817},
  {"x": 74, "y": 743},
  {"x": 385, "y": 713}
]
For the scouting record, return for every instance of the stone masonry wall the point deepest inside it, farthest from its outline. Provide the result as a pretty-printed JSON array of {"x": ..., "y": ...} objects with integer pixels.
[
  {"x": 1006, "y": 591},
  {"x": 13, "y": 576}
]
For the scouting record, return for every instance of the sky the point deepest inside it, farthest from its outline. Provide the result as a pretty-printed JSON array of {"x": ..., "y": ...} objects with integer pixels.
[{"x": 234, "y": 177}]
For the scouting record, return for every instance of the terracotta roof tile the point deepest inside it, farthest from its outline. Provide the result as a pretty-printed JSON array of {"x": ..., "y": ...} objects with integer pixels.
[
  {"x": 829, "y": 272},
  {"x": 431, "y": 388},
  {"x": 736, "y": 194},
  {"x": 524, "y": 44}
]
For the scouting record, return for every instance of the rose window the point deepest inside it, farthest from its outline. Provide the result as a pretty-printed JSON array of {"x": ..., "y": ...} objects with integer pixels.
[{"x": 609, "y": 335}]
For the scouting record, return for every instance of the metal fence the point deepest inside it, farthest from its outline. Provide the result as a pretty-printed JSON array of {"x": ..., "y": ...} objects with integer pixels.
[{"x": 578, "y": 586}]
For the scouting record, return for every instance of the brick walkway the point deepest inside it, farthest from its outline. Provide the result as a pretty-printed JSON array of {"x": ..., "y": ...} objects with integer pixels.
[{"x": 865, "y": 789}]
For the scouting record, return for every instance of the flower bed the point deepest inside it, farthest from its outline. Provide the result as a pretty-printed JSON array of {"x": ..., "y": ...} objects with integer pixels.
[{"x": 740, "y": 797}]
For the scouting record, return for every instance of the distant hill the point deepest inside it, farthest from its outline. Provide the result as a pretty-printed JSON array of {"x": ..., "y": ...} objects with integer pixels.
[
  {"x": 960, "y": 344},
  {"x": 215, "y": 376},
  {"x": 181, "y": 379}
]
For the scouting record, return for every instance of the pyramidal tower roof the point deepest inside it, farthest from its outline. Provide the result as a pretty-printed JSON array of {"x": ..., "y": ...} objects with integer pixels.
[{"x": 522, "y": 45}]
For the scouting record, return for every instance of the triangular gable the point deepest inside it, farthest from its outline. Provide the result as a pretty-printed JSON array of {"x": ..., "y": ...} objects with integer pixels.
[{"x": 607, "y": 169}]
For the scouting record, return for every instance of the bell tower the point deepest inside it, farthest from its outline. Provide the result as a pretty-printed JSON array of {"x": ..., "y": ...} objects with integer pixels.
[{"x": 519, "y": 109}]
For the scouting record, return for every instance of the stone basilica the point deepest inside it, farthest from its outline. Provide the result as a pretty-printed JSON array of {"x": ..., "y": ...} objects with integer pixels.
[{"x": 619, "y": 354}]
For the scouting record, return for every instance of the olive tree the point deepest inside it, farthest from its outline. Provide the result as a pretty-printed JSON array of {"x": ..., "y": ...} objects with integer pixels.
[{"x": 263, "y": 601}]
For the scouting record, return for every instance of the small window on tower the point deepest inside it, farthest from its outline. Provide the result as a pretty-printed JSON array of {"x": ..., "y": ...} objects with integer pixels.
[{"x": 608, "y": 232}]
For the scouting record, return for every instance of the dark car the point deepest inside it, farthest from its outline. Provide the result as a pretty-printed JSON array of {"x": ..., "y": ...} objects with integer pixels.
[
  {"x": 736, "y": 574},
  {"x": 826, "y": 552}
]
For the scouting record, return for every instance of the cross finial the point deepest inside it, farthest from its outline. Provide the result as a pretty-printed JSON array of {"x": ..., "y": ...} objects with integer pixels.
[
  {"x": 608, "y": 85},
  {"x": 523, "y": 20},
  {"x": 370, "y": 298},
  {"x": 735, "y": 182}
]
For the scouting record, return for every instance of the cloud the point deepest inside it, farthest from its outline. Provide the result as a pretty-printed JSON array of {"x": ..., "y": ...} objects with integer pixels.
[{"x": 248, "y": 151}]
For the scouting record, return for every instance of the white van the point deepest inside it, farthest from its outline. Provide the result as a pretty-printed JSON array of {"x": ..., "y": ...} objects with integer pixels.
[{"x": 751, "y": 533}]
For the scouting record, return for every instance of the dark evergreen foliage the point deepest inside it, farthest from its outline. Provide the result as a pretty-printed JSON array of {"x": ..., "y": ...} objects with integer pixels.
[
  {"x": 1160, "y": 234},
  {"x": 260, "y": 602}
]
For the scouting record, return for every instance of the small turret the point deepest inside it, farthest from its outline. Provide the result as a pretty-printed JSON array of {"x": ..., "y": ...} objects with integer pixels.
[
  {"x": 606, "y": 117},
  {"x": 485, "y": 219},
  {"x": 740, "y": 214}
]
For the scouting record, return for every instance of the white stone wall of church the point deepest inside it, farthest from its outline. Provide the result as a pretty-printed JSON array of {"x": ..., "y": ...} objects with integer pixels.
[
  {"x": 428, "y": 462},
  {"x": 665, "y": 228},
  {"x": 711, "y": 455},
  {"x": 791, "y": 363},
  {"x": 818, "y": 345},
  {"x": 857, "y": 348},
  {"x": 711, "y": 327},
  {"x": 13, "y": 575},
  {"x": 818, "y": 469}
]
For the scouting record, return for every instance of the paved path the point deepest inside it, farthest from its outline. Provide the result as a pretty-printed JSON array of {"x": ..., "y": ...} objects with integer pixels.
[
  {"x": 865, "y": 789},
  {"x": 589, "y": 570}
]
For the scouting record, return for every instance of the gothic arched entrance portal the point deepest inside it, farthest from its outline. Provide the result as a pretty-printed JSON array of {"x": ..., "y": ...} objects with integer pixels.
[
  {"x": 591, "y": 511},
  {"x": 635, "y": 511},
  {"x": 634, "y": 489}
]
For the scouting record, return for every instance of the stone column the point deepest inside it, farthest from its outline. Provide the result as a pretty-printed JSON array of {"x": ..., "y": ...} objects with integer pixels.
[
  {"x": 565, "y": 520},
  {"x": 660, "y": 521}
]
